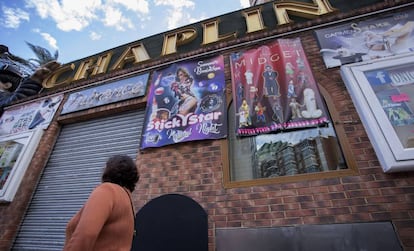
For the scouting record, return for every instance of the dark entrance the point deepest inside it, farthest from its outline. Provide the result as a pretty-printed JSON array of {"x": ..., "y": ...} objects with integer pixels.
[{"x": 171, "y": 222}]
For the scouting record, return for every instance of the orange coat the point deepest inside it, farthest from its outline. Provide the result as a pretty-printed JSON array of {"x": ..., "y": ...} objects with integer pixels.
[{"x": 105, "y": 222}]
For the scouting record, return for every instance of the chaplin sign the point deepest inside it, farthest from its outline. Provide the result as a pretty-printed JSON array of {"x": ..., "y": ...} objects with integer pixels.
[
  {"x": 228, "y": 27},
  {"x": 202, "y": 34}
]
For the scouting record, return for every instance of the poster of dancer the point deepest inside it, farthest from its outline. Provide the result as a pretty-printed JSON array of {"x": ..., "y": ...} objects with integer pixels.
[
  {"x": 274, "y": 89},
  {"x": 374, "y": 38},
  {"x": 186, "y": 102}
]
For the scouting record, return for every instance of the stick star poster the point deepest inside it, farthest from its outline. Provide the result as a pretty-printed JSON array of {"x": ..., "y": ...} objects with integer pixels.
[
  {"x": 274, "y": 89},
  {"x": 186, "y": 102}
]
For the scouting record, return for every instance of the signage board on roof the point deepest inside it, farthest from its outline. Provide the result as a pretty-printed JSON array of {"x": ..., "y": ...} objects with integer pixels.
[{"x": 201, "y": 36}]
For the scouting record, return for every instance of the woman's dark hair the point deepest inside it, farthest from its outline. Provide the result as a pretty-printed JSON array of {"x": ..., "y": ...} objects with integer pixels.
[{"x": 121, "y": 170}]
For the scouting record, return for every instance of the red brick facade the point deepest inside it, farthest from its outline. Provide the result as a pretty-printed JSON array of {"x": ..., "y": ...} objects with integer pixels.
[{"x": 369, "y": 195}]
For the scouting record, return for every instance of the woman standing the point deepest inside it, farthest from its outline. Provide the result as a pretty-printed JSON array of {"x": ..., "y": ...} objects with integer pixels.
[
  {"x": 106, "y": 221},
  {"x": 187, "y": 102}
]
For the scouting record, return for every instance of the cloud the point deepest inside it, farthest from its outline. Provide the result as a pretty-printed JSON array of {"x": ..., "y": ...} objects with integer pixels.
[
  {"x": 13, "y": 17},
  {"x": 140, "y": 6},
  {"x": 48, "y": 38},
  {"x": 115, "y": 18},
  {"x": 77, "y": 14},
  {"x": 245, "y": 3},
  {"x": 175, "y": 3},
  {"x": 176, "y": 14},
  {"x": 68, "y": 14},
  {"x": 94, "y": 36},
  {"x": 126, "y": 8}
]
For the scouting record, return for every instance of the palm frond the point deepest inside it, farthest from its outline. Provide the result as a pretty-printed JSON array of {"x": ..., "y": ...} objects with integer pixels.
[{"x": 43, "y": 56}]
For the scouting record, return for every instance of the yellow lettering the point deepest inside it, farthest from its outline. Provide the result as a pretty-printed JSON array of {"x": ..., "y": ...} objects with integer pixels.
[
  {"x": 211, "y": 32},
  {"x": 136, "y": 53},
  {"x": 133, "y": 54},
  {"x": 102, "y": 64},
  {"x": 93, "y": 67},
  {"x": 306, "y": 10},
  {"x": 51, "y": 80},
  {"x": 84, "y": 69},
  {"x": 171, "y": 41},
  {"x": 254, "y": 20}
]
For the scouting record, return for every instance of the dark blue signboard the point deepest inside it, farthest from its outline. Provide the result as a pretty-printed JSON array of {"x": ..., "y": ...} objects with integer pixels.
[{"x": 106, "y": 94}]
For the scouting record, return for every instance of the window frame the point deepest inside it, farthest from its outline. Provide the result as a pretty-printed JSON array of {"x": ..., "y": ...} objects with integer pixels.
[
  {"x": 31, "y": 141},
  {"x": 342, "y": 139},
  {"x": 390, "y": 151}
]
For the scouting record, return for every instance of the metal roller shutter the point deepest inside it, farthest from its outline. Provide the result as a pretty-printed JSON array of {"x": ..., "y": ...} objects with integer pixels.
[{"x": 73, "y": 171}]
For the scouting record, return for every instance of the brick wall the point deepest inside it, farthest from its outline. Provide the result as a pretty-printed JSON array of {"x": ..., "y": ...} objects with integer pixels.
[{"x": 196, "y": 170}]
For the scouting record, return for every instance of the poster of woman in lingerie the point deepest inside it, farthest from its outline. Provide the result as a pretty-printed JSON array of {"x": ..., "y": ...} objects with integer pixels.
[{"x": 186, "y": 102}]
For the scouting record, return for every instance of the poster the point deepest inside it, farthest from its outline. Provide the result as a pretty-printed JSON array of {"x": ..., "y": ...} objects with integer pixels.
[
  {"x": 374, "y": 38},
  {"x": 394, "y": 89},
  {"x": 9, "y": 152},
  {"x": 383, "y": 93},
  {"x": 16, "y": 152},
  {"x": 119, "y": 90},
  {"x": 186, "y": 102},
  {"x": 37, "y": 114},
  {"x": 274, "y": 89}
]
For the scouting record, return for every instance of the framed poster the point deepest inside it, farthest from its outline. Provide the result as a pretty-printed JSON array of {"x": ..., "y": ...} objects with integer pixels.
[
  {"x": 383, "y": 93},
  {"x": 186, "y": 102},
  {"x": 274, "y": 89},
  {"x": 16, "y": 152},
  {"x": 378, "y": 37}
]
